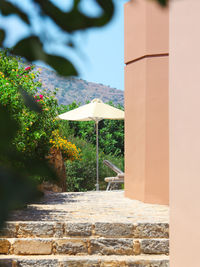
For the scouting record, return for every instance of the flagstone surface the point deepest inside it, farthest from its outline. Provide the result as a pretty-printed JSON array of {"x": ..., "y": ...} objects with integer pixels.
[
  {"x": 100, "y": 229},
  {"x": 93, "y": 207}
]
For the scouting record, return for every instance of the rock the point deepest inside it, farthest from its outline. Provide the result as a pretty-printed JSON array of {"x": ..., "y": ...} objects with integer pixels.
[
  {"x": 151, "y": 230},
  {"x": 78, "y": 229},
  {"x": 114, "y": 264},
  {"x": 37, "y": 263},
  {"x": 37, "y": 229},
  {"x": 4, "y": 246},
  {"x": 81, "y": 263},
  {"x": 136, "y": 247},
  {"x": 9, "y": 230},
  {"x": 7, "y": 263},
  {"x": 155, "y": 246},
  {"x": 46, "y": 186},
  {"x": 155, "y": 263},
  {"x": 32, "y": 247},
  {"x": 110, "y": 246},
  {"x": 71, "y": 247},
  {"x": 114, "y": 229},
  {"x": 59, "y": 230},
  {"x": 56, "y": 160}
]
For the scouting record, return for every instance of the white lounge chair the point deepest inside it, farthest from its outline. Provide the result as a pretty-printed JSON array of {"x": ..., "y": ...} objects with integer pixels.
[{"x": 113, "y": 181}]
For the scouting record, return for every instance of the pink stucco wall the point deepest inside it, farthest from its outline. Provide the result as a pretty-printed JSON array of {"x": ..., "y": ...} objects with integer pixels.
[
  {"x": 185, "y": 133},
  {"x": 146, "y": 29},
  {"x": 146, "y": 102}
]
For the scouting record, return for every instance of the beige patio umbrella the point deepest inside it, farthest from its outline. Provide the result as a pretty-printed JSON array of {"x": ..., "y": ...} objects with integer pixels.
[{"x": 96, "y": 111}]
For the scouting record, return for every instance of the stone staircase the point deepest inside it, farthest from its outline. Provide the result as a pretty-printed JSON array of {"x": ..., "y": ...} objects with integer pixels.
[{"x": 88, "y": 243}]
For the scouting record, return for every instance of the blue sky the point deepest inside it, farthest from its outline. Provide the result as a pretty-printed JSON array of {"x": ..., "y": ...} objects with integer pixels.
[
  {"x": 104, "y": 52},
  {"x": 99, "y": 57}
]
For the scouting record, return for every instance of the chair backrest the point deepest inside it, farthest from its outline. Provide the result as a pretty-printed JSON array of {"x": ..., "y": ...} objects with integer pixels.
[{"x": 112, "y": 166}]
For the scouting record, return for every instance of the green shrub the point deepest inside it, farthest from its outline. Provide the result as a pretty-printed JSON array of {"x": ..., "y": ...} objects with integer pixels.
[
  {"x": 81, "y": 175},
  {"x": 35, "y": 128},
  {"x": 111, "y": 132},
  {"x": 37, "y": 132}
]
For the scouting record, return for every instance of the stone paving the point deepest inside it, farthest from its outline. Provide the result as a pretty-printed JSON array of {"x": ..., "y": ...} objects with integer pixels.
[
  {"x": 101, "y": 206},
  {"x": 84, "y": 261},
  {"x": 87, "y": 229}
]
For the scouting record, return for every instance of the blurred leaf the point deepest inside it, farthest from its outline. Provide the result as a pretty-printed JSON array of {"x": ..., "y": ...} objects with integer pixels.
[
  {"x": 76, "y": 20},
  {"x": 33, "y": 165},
  {"x": 163, "y": 3},
  {"x": 62, "y": 65},
  {"x": 9, "y": 128},
  {"x": 30, "y": 101},
  {"x": 71, "y": 44},
  {"x": 2, "y": 36},
  {"x": 32, "y": 49},
  {"x": 8, "y": 8},
  {"x": 20, "y": 190},
  {"x": 40, "y": 167}
]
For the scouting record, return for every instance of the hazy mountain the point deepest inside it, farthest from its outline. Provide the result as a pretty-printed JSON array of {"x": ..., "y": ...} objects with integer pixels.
[{"x": 75, "y": 89}]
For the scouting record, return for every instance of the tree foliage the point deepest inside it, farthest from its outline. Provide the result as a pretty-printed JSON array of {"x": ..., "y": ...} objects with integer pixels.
[
  {"x": 28, "y": 133},
  {"x": 37, "y": 131},
  {"x": 111, "y": 132},
  {"x": 81, "y": 174}
]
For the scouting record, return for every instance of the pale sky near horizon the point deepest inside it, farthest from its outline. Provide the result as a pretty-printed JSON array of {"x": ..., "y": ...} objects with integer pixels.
[{"x": 100, "y": 54}]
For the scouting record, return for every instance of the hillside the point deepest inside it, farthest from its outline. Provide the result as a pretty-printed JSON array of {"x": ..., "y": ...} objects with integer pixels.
[{"x": 75, "y": 89}]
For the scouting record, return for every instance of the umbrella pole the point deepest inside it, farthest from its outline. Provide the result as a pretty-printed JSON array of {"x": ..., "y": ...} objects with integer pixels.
[{"x": 97, "y": 156}]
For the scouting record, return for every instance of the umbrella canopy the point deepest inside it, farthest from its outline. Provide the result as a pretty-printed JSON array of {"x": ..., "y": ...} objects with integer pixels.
[{"x": 96, "y": 110}]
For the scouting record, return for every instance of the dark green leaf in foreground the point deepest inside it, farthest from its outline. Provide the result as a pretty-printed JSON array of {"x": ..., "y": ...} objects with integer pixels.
[
  {"x": 2, "y": 36},
  {"x": 9, "y": 128},
  {"x": 8, "y": 8},
  {"x": 75, "y": 19},
  {"x": 163, "y": 3},
  {"x": 20, "y": 189},
  {"x": 40, "y": 167},
  {"x": 63, "y": 66},
  {"x": 32, "y": 49},
  {"x": 30, "y": 101}
]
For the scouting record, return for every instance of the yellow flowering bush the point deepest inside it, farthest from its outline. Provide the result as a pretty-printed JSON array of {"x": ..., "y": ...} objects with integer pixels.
[{"x": 69, "y": 150}]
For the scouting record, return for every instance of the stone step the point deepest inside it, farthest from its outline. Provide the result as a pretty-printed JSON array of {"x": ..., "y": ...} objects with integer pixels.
[
  {"x": 84, "y": 261},
  {"x": 83, "y": 246},
  {"x": 85, "y": 229}
]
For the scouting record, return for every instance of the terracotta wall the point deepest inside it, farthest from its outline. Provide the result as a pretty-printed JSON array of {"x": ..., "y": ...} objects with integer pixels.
[
  {"x": 185, "y": 133},
  {"x": 146, "y": 102}
]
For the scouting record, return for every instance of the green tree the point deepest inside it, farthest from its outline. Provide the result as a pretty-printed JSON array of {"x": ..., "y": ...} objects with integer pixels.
[
  {"x": 35, "y": 129},
  {"x": 35, "y": 133},
  {"x": 81, "y": 174},
  {"x": 111, "y": 132}
]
